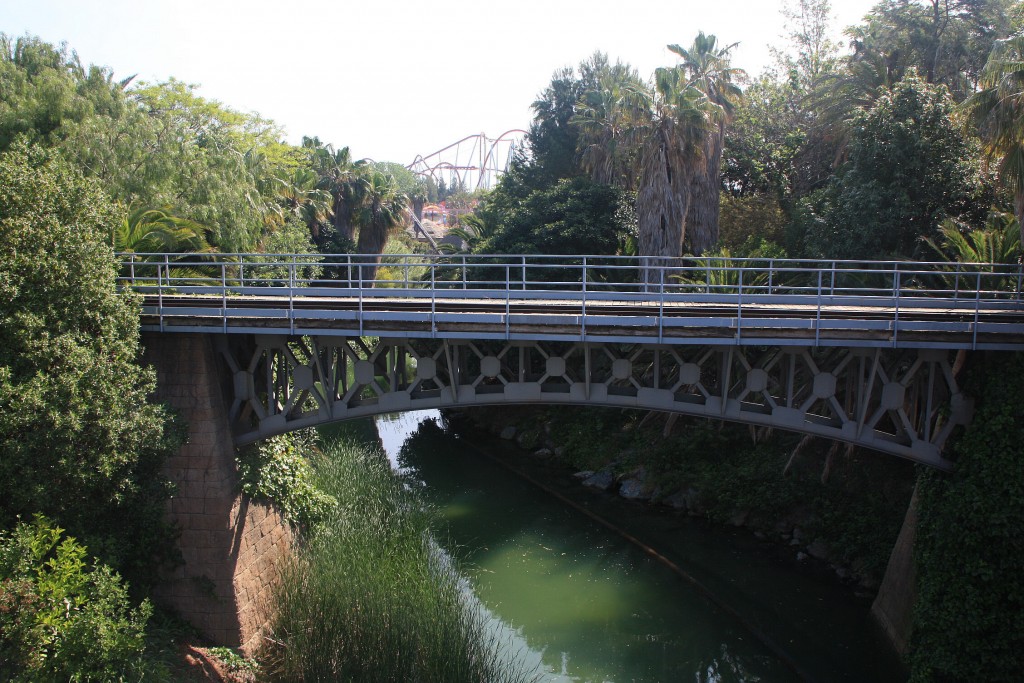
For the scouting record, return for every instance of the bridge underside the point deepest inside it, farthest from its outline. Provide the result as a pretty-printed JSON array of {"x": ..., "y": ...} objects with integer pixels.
[{"x": 900, "y": 402}]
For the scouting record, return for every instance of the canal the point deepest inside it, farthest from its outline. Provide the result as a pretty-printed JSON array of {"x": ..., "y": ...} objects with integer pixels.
[{"x": 581, "y": 602}]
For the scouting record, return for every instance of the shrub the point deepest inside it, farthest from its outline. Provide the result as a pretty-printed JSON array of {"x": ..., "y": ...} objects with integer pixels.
[{"x": 61, "y": 619}]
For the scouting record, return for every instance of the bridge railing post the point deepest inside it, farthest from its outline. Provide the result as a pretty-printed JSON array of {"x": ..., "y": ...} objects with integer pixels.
[
  {"x": 464, "y": 272},
  {"x": 583, "y": 322},
  {"x": 896, "y": 313}
]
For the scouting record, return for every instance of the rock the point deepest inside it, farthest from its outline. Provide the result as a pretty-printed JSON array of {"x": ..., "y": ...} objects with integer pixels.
[
  {"x": 841, "y": 572},
  {"x": 508, "y": 433},
  {"x": 584, "y": 474},
  {"x": 794, "y": 541},
  {"x": 634, "y": 489},
  {"x": 801, "y": 557},
  {"x": 559, "y": 451},
  {"x": 677, "y": 500},
  {"x": 739, "y": 517},
  {"x": 798, "y": 534},
  {"x": 818, "y": 550},
  {"x": 602, "y": 480},
  {"x": 543, "y": 453},
  {"x": 759, "y": 535}
]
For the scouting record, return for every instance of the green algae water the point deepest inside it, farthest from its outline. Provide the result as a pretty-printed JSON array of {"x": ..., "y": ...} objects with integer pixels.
[{"x": 581, "y": 603}]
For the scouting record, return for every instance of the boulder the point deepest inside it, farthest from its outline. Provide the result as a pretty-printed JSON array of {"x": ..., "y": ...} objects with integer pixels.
[
  {"x": 634, "y": 489},
  {"x": 508, "y": 433},
  {"x": 602, "y": 480}
]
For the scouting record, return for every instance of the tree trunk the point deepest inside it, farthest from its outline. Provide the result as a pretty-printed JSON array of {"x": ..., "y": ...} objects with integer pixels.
[
  {"x": 702, "y": 212},
  {"x": 343, "y": 218},
  {"x": 371, "y": 243},
  {"x": 1018, "y": 209},
  {"x": 661, "y": 208}
]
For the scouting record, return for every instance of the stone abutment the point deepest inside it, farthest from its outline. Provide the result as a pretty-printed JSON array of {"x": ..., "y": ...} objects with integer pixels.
[{"x": 231, "y": 546}]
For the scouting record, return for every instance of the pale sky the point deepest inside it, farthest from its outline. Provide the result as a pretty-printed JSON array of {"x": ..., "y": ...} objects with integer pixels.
[{"x": 391, "y": 78}]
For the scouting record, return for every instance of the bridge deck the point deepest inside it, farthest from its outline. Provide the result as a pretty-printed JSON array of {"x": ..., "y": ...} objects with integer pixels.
[{"x": 721, "y": 319}]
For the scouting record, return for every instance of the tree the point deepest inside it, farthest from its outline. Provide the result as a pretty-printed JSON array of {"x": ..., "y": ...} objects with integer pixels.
[
  {"x": 383, "y": 207},
  {"x": 346, "y": 180},
  {"x": 708, "y": 69},
  {"x": 909, "y": 168},
  {"x": 681, "y": 116},
  {"x": 573, "y": 216},
  {"x": 79, "y": 440},
  {"x": 998, "y": 113},
  {"x": 145, "y": 230}
]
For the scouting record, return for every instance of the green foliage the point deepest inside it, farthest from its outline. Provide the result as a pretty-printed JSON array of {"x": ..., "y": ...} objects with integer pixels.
[
  {"x": 47, "y": 93},
  {"x": 371, "y": 597},
  {"x": 909, "y": 168},
  {"x": 60, "y": 619},
  {"x": 235, "y": 661},
  {"x": 278, "y": 470},
  {"x": 573, "y": 216},
  {"x": 79, "y": 441},
  {"x": 969, "y": 615}
]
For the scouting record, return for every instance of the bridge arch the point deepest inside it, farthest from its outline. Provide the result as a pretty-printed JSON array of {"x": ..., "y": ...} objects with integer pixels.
[{"x": 900, "y": 402}]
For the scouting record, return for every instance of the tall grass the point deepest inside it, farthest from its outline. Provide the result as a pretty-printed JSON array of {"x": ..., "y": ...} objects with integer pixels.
[{"x": 370, "y": 597}]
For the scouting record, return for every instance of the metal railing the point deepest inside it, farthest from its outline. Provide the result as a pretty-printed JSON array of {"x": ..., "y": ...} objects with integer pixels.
[
  {"x": 887, "y": 289},
  {"x": 647, "y": 278}
]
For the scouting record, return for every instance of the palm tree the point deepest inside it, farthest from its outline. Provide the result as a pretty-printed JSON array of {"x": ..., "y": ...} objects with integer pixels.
[
  {"x": 343, "y": 178},
  {"x": 708, "y": 70},
  {"x": 303, "y": 197},
  {"x": 383, "y": 207},
  {"x": 147, "y": 230},
  {"x": 609, "y": 117},
  {"x": 998, "y": 112},
  {"x": 680, "y": 117}
]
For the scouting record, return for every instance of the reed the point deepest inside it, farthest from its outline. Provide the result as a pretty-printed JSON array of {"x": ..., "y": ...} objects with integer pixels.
[{"x": 371, "y": 597}]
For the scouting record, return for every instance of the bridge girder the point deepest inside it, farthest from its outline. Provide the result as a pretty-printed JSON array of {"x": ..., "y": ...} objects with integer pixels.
[{"x": 900, "y": 402}]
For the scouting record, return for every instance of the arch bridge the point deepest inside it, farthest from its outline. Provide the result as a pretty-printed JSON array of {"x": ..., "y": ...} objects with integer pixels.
[{"x": 859, "y": 352}]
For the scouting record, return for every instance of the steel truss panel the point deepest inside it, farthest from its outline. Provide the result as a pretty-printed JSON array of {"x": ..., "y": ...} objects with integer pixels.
[{"x": 903, "y": 402}]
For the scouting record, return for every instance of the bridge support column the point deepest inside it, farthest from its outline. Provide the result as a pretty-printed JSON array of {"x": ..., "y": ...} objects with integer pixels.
[
  {"x": 893, "y": 607},
  {"x": 231, "y": 545}
]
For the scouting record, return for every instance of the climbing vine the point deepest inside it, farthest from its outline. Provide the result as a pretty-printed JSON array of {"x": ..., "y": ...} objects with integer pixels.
[{"x": 969, "y": 615}]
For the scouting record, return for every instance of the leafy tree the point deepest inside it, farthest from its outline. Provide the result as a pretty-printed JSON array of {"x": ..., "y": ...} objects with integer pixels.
[
  {"x": 79, "y": 441},
  {"x": 47, "y": 93},
  {"x": 909, "y": 168},
  {"x": 573, "y": 216}
]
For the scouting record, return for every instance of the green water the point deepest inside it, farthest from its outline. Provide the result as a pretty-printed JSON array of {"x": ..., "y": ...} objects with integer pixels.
[{"x": 583, "y": 604}]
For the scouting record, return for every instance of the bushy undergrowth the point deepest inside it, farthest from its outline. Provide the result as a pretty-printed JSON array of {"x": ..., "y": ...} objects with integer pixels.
[
  {"x": 278, "y": 471},
  {"x": 370, "y": 597},
  {"x": 969, "y": 615},
  {"x": 61, "y": 618}
]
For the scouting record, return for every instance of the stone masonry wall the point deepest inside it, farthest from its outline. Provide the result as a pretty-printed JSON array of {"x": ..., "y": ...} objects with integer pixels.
[{"x": 231, "y": 545}]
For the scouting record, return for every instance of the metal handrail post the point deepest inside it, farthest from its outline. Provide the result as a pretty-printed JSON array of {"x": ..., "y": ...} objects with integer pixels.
[
  {"x": 977, "y": 313},
  {"x": 832, "y": 283},
  {"x": 896, "y": 315},
  {"x": 359, "y": 270},
  {"x": 464, "y": 272},
  {"x": 433, "y": 301},
  {"x": 739, "y": 307},
  {"x": 224, "y": 295},
  {"x": 291, "y": 296},
  {"x": 583, "y": 323},
  {"x": 817, "y": 317},
  {"x": 524, "y": 272},
  {"x": 508, "y": 302}
]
